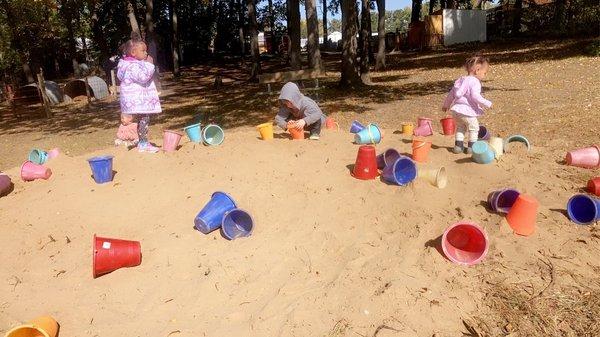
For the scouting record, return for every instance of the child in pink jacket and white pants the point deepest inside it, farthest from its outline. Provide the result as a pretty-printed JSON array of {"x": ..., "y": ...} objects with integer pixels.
[{"x": 466, "y": 103}]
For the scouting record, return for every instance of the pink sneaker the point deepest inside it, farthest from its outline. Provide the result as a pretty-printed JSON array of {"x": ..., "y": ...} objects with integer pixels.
[{"x": 147, "y": 147}]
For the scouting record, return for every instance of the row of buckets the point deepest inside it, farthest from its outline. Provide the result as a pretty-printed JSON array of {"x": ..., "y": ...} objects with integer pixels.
[
  {"x": 266, "y": 131},
  {"x": 211, "y": 135},
  {"x": 395, "y": 168}
]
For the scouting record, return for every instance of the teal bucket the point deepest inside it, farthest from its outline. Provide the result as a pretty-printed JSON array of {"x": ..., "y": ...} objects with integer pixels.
[
  {"x": 369, "y": 135},
  {"x": 212, "y": 134},
  {"x": 38, "y": 156},
  {"x": 193, "y": 132}
]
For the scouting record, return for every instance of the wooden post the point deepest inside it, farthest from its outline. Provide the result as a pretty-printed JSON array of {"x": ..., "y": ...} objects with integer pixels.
[
  {"x": 87, "y": 90},
  {"x": 44, "y": 98},
  {"x": 113, "y": 82}
]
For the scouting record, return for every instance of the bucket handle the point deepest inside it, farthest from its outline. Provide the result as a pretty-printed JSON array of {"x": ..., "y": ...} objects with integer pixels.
[{"x": 422, "y": 144}]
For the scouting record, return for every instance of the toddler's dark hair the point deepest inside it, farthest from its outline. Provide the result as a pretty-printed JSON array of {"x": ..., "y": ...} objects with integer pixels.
[{"x": 475, "y": 60}]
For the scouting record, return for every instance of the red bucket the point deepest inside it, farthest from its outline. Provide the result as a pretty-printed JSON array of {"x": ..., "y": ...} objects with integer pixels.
[
  {"x": 365, "y": 167},
  {"x": 448, "y": 126},
  {"x": 594, "y": 186},
  {"x": 112, "y": 254}
]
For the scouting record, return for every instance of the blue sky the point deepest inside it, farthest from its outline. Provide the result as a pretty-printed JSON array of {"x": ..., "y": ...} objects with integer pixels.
[{"x": 390, "y": 5}]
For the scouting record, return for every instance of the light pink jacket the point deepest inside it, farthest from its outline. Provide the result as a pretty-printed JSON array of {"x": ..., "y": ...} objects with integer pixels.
[
  {"x": 138, "y": 93},
  {"x": 465, "y": 97}
]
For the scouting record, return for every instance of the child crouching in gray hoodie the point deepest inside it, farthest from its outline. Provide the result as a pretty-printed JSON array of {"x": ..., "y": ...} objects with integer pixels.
[{"x": 299, "y": 112}]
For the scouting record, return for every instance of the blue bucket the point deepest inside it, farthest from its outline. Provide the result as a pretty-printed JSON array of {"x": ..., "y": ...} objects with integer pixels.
[
  {"x": 370, "y": 135},
  {"x": 212, "y": 134},
  {"x": 211, "y": 216},
  {"x": 356, "y": 127},
  {"x": 193, "y": 132},
  {"x": 389, "y": 156},
  {"x": 38, "y": 156},
  {"x": 583, "y": 209},
  {"x": 401, "y": 172},
  {"x": 236, "y": 223},
  {"x": 102, "y": 168},
  {"x": 482, "y": 153}
]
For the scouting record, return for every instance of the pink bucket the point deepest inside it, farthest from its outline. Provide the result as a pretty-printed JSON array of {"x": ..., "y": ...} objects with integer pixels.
[
  {"x": 31, "y": 171},
  {"x": 465, "y": 243},
  {"x": 171, "y": 140},
  {"x": 423, "y": 121},
  {"x": 588, "y": 157},
  {"x": 423, "y": 130}
]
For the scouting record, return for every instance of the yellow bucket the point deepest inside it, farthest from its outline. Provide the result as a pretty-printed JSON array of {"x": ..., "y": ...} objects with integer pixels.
[
  {"x": 43, "y": 326},
  {"x": 407, "y": 128},
  {"x": 266, "y": 130}
]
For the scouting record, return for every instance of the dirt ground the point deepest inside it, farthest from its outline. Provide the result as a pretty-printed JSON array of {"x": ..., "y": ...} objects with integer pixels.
[{"x": 330, "y": 255}]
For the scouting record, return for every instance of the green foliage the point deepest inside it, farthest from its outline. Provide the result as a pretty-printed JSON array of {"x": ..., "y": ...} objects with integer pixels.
[{"x": 593, "y": 48}]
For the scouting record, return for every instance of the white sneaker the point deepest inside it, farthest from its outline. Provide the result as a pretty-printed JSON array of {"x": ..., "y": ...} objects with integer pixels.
[
  {"x": 314, "y": 137},
  {"x": 147, "y": 147}
]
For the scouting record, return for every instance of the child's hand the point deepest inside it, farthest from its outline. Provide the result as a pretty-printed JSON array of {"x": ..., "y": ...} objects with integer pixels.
[
  {"x": 444, "y": 109},
  {"x": 300, "y": 124}
]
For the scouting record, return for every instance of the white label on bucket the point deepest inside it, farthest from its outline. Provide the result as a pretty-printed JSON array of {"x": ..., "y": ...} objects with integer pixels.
[{"x": 106, "y": 245}]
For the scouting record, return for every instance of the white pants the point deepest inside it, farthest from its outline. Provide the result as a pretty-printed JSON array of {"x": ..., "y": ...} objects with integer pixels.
[{"x": 466, "y": 124}]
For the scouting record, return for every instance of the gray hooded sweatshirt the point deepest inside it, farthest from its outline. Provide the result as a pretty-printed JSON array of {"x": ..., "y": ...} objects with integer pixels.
[{"x": 309, "y": 110}]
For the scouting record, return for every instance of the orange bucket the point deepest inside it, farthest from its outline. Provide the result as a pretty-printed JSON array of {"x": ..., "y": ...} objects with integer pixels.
[
  {"x": 43, "y": 326},
  {"x": 420, "y": 149},
  {"x": 330, "y": 123},
  {"x": 296, "y": 134},
  {"x": 522, "y": 215}
]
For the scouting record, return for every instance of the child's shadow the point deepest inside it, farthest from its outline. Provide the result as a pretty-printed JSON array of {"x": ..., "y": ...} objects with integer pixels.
[
  {"x": 8, "y": 190},
  {"x": 278, "y": 136},
  {"x": 464, "y": 160}
]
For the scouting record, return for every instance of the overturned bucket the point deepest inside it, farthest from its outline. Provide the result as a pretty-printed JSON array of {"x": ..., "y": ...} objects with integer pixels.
[
  {"x": 211, "y": 215},
  {"x": 583, "y": 209},
  {"x": 401, "y": 172},
  {"x": 588, "y": 157},
  {"x": 369, "y": 135},
  {"x": 43, "y": 326},
  {"x": 465, "y": 243},
  {"x": 388, "y": 156},
  {"x": 436, "y": 177},
  {"x": 212, "y": 134},
  {"x": 31, "y": 171},
  {"x": 112, "y": 254},
  {"x": 356, "y": 127},
  {"x": 482, "y": 154},
  {"x": 502, "y": 200},
  {"x": 38, "y": 156},
  {"x": 237, "y": 223}
]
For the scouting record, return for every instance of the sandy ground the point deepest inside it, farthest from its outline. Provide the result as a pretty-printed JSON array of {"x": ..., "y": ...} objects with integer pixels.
[{"x": 330, "y": 255}]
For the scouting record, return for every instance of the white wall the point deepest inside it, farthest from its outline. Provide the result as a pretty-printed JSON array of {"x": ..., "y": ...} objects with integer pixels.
[{"x": 464, "y": 26}]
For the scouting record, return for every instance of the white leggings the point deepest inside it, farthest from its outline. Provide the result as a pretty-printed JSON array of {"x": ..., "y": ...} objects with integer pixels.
[{"x": 464, "y": 124}]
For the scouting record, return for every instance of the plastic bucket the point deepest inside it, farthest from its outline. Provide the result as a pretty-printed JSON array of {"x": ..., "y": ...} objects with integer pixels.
[
  {"x": 38, "y": 156},
  {"x": 211, "y": 215},
  {"x": 236, "y": 223},
  {"x": 588, "y": 157},
  {"x": 465, "y": 243},
  {"x": 102, "y": 168},
  {"x": 436, "y": 177},
  {"x": 6, "y": 184},
  {"x": 424, "y": 121},
  {"x": 53, "y": 153},
  {"x": 583, "y": 209},
  {"x": 31, "y": 171},
  {"x": 171, "y": 140},
  {"x": 408, "y": 128},
  {"x": 423, "y": 130},
  {"x": 593, "y": 186},
  {"x": 483, "y": 134},
  {"x": 296, "y": 134},
  {"x": 365, "y": 167},
  {"x": 516, "y": 138},
  {"x": 420, "y": 150},
  {"x": 497, "y": 145},
  {"x": 356, "y": 127},
  {"x": 43, "y": 326},
  {"x": 212, "y": 134},
  {"x": 193, "y": 132},
  {"x": 112, "y": 254},
  {"x": 522, "y": 215},
  {"x": 401, "y": 172},
  {"x": 448, "y": 126},
  {"x": 369, "y": 135},
  {"x": 388, "y": 156},
  {"x": 502, "y": 200},
  {"x": 482, "y": 154},
  {"x": 331, "y": 124},
  {"x": 265, "y": 130}
]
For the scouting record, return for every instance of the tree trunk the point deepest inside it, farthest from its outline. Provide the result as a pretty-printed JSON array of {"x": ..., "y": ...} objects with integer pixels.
[
  {"x": 432, "y": 5},
  {"x": 271, "y": 17},
  {"x": 325, "y": 34},
  {"x": 27, "y": 70},
  {"x": 97, "y": 32},
  {"x": 443, "y": 4},
  {"x": 365, "y": 37},
  {"x": 415, "y": 15},
  {"x": 479, "y": 4},
  {"x": 135, "y": 28},
  {"x": 241, "y": 32},
  {"x": 380, "y": 63},
  {"x": 560, "y": 15},
  {"x": 72, "y": 43},
  {"x": 150, "y": 36},
  {"x": 174, "y": 37},
  {"x": 254, "y": 39},
  {"x": 312, "y": 44},
  {"x": 294, "y": 33},
  {"x": 350, "y": 74},
  {"x": 516, "y": 24}
]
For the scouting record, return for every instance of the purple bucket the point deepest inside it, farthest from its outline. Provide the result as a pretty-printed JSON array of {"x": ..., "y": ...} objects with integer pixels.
[
  {"x": 6, "y": 185},
  {"x": 389, "y": 156},
  {"x": 502, "y": 200}
]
